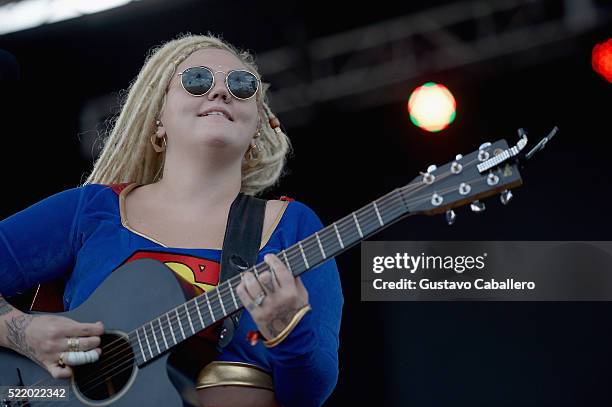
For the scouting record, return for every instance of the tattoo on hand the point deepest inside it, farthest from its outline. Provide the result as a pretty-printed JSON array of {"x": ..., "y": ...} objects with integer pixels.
[
  {"x": 17, "y": 338},
  {"x": 280, "y": 321}
]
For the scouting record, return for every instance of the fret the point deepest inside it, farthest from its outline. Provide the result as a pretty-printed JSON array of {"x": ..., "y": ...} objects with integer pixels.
[
  {"x": 357, "y": 224},
  {"x": 338, "y": 235},
  {"x": 171, "y": 329},
  {"x": 212, "y": 315},
  {"x": 329, "y": 241},
  {"x": 320, "y": 245},
  {"x": 199, "y": 313},
  {"x": 178, "y": 318},
  {"x": 161, "y": 328},
  {"x": 155, "y": 338},
  {"x": 378, "y": 214},
  {"x": 189, "y": 318},
  {"x": 147, "y": 339},
  {"x": 287, "y": 261},
  {"x": 303, "y": 255},
  {"x": 221, "y": 301},
  {"x": 144, "y": 358},
  {"x": 231, "y": 289}
]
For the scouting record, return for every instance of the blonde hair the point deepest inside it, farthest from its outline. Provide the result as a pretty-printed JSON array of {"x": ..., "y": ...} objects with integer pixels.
[{"x": 128, "y": 155}]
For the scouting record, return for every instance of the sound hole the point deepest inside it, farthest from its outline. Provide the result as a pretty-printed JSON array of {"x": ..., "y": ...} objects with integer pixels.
[{"x": 111, "y": 373}]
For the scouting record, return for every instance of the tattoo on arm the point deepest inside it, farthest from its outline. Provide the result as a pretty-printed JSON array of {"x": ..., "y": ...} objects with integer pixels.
[
  {"x": 5, "y": 307},
  {"x": 16, "y": 335}
]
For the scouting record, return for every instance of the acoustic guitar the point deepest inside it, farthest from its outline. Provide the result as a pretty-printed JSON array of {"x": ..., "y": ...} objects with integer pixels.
[{"x": 144, "y": 332}]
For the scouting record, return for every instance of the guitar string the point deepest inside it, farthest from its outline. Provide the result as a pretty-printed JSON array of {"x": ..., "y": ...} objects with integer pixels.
[{"x": 384, "y": 200}]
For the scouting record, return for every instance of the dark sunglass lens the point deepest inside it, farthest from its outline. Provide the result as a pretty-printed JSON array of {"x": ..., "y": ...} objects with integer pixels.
[
  {"x": 242, "y": 84},
  {"x": 197, "y": 81}
]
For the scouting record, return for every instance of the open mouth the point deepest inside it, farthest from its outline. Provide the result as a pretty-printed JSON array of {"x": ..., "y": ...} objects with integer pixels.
[{"x": 216, "y": 114}]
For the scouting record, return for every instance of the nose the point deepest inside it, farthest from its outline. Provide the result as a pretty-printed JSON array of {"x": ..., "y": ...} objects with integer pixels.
[{"x": 219, "y": 91}]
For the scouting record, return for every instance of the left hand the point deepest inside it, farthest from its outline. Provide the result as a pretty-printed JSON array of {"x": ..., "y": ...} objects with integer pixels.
[{"x": 284, "y": 296}]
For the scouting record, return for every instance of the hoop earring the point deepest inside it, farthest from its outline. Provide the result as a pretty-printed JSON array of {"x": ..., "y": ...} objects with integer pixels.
[
  {"x": 156, "y": 146},
  {"x": 253, "y": 156}
]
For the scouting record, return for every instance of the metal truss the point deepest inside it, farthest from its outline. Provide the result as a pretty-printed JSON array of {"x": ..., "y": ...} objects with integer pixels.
[{"x": 378, "y": 56}]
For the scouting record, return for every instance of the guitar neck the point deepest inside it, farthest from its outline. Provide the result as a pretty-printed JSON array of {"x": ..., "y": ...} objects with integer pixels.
[{"x": 175, "y": 326}]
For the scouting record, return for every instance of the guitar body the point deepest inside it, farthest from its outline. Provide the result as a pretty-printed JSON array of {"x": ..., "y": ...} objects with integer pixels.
[{"x": 131, "y": 296}]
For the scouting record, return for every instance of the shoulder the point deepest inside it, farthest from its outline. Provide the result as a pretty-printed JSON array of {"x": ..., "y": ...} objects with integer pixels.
[{"x": 301, "y": 216}]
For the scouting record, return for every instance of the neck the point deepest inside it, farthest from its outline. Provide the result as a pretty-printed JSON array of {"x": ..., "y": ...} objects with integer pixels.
[{"x": 192, "y": 181}]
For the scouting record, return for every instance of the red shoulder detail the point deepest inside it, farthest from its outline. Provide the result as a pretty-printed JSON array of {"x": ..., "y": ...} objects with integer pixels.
[
  {"x": 117, "y": 188},
  {"x": 286, "y": 198}
]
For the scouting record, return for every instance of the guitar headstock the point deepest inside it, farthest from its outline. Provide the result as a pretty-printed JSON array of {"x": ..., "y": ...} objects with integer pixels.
[{"x": 487, "y": 171}]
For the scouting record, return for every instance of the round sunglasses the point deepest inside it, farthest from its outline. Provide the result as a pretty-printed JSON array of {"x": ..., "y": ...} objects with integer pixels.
[{"x": 199, "y": 80}]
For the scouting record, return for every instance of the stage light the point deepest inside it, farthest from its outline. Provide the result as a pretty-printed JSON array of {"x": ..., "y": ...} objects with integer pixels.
[
  {"x": 24, "y": 14},
  {"x": 602, "y": 59},
  {"x": 432, "y": 107}
]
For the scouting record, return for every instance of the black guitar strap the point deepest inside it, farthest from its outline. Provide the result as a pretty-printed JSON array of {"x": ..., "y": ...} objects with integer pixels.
[{"x": 240, "y": 248}]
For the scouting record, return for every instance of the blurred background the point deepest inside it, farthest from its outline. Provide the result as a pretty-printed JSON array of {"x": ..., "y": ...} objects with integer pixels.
[{"x": 342, "y": 75}]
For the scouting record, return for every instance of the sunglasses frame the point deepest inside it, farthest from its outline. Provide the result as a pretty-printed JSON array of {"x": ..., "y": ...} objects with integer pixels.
[{"x": 226, "y": 83}]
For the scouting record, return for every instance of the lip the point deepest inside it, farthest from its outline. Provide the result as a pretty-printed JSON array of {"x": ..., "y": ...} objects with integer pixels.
[{"x": 217, "y": 109}]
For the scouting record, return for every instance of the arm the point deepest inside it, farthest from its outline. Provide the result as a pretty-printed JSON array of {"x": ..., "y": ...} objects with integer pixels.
[
  {"x": 304, "y": 363},
  {"x": 37, "y": 245}
]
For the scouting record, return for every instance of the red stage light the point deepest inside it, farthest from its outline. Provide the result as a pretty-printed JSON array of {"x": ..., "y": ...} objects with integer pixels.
[{"x": 602, "y": 59}]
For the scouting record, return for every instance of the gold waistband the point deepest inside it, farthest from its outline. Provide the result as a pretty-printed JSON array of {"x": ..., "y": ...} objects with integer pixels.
[{"x": 220, "y": 373}]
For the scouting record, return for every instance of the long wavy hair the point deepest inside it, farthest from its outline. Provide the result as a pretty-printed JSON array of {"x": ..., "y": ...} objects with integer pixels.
[{"x": 127, "y": 154}]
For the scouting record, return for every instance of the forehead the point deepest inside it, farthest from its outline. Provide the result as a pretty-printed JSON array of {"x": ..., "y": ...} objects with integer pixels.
[{"x": 217, "y": 59}]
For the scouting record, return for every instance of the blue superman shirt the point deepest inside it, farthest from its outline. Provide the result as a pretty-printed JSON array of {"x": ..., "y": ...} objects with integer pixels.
[{"x": 78, "y": 234}]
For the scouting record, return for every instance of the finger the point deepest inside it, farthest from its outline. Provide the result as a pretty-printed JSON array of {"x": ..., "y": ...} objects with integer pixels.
[
  {"x": 245, "y": 298},
  {"x": 261, "y": 279},
  {"x": 59, "y": 372},
  {"x": 248, "y": 296},
  {"x": 81, "y": 358},
  {"x": 86, "y": 329},
  {"x": 85, "y": 343},
  {"x": 267, "y": 281},
  {"x": 285, "y": 278},
  {"x": 252, "y": 285}
]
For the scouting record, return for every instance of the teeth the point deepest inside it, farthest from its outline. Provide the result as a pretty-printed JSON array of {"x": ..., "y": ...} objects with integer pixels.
[{"x": 215, "y": 113}]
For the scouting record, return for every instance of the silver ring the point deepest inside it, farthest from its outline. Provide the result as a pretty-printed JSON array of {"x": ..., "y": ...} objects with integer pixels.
[{"x": 260, "y": 298}]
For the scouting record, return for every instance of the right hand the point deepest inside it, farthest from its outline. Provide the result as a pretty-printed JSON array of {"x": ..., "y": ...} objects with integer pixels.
[{"x": 43, "y": 337}]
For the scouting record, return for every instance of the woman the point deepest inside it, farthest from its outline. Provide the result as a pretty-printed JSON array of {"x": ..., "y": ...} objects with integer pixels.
[{"x": 195, "y": 129}]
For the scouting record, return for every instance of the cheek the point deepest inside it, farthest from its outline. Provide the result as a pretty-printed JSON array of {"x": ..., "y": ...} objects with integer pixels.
[{"x": 249, "y": 115}]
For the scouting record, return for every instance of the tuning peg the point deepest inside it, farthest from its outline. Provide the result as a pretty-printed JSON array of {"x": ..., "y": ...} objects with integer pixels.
[
  {"x": 458, "y": 157},
  {"x": 431, "y": 168},
  {"x": 505, "y": 196},
  {"x": 477, "y": 206},
  {"x": 484, "y": 146},
  {"x": 450, "y": 217}
]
